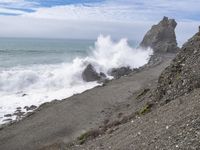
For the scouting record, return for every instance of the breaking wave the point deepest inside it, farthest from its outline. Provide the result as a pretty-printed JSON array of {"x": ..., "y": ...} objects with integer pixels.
[{"x": 37, "y": 84}]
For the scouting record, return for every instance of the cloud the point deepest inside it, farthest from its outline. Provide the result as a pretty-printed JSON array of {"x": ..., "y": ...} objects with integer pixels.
[
  {"x": 50, "y": 28},
  {"x": 16, "y": 7},
  {"x": 107, "y": 9},
  {"x": 12, "y": 1},
  {"x": 81, "y": 12},
  {"x": 10, "y": 11},
  {"x": 180, "y": 9},
  {"x": 17, "y": 4},
  {"x": 185, "y": 30},
  {"x": 126, "y": 10},
  {"x": 87, "y": 19}
]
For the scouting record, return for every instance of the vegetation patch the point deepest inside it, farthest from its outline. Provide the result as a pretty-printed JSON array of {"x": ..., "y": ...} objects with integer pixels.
[
  {"x": 88, "y": 135},
  {"x": 146, "y": 109}
]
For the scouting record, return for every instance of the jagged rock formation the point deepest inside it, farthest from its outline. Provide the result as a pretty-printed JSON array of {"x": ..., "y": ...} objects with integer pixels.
[
  {"x": 89, "y": 74},
  {"x": 183, "y": 75},
  {"x": 161, "y": 37},
  {"x": 118, "y": 72}
]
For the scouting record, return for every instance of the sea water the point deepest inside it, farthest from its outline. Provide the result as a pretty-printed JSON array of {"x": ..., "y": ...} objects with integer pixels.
[{"x": 35, "y": 71}]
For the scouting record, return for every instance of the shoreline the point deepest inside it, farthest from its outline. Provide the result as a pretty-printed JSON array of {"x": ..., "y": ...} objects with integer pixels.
[
  {"x": 26, "y": 87},
  {"x": 22, "y": 112},
  {"x": 67, "y": 119}
]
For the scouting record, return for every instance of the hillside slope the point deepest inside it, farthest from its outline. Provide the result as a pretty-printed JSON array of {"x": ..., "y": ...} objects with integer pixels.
[{"x": 173, "y": 120}]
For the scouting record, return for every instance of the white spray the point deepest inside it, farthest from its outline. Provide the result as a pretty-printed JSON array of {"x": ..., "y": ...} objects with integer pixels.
[{"x": 44, "y": 83}]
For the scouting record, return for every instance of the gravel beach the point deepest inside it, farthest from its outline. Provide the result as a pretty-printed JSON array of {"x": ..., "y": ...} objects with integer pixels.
[{"x": 64, "y": 121}]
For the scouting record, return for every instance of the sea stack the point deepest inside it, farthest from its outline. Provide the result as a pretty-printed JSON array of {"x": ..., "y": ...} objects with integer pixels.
[{"x": 161, "y": 37}]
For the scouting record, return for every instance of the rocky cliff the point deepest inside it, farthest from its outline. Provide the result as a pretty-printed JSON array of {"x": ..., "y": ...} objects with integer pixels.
[
  {"x": 183, "y": 75},
  {"x": 161, "y": 37},
  {"x": 173, "y": 125}
]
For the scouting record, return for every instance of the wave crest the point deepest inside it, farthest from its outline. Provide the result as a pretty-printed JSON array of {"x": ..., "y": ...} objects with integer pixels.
[{"x": 42, "y": 83}]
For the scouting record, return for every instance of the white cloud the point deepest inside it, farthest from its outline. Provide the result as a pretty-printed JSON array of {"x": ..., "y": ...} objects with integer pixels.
[
  {"x": 11, "y": 11},
  {"x": 17, "y": 4},
  {"x": 120, "y": 18},
  {"x": 82, "y": 12},
  {"x": 50, "y": 28},
  {"x": 186, "y": 30},
  {"x": 11, "y": 1},
  {"x": 126, "y": 10}
]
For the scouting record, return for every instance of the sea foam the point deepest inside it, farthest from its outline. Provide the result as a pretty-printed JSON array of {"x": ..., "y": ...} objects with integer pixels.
[{"x": 33, "y": 85}]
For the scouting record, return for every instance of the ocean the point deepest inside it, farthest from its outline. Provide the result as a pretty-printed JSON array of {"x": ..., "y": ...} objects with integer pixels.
[
  {"x": 23, "y": 52},
  {"x": 35, "y": 71}
]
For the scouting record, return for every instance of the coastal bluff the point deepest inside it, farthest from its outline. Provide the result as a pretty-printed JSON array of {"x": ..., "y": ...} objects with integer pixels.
[
  {"x": 161, "y": 38},
  {"x": 183, "y": 75},
  {"x": 169, "y": 117}
]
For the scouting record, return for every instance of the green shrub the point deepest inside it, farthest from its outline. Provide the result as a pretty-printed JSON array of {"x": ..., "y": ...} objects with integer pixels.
[{"x": 145, "y": 109}]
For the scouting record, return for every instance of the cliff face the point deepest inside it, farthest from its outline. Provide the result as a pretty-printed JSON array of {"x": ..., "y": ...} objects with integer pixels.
[
  {"x": 175, "y": 125},
  {"x": 183, "y": 75},
  {"x": 161, "y": 37}
]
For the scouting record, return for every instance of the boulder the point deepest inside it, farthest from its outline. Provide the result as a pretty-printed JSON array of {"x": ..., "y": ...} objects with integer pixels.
[
  {"x": 24, "y": 95},
  {"x": 89, "y": 74},
  {"x": 161, "y": 37},
  {"x": 18, "y": 113},
  {"x": 183, "y": 75},
  {"x": 32, "y": 107},
  {"x": 118, "y": 72}
]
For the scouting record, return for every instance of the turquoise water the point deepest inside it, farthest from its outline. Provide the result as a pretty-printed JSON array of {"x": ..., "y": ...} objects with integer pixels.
[
  {"x": 22, "y": 51},
  {"x": 26, "y": 51}
]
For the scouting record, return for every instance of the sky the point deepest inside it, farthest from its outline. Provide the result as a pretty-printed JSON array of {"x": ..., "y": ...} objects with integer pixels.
[{"x": 86, "y": 19}]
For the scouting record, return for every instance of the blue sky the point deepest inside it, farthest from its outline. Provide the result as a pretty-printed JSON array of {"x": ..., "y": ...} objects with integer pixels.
[
  {"x": 145, "y": 9},
  {"x": 78, "y": 18}
]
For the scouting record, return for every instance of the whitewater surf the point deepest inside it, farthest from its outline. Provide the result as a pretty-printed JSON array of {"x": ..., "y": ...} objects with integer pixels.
[{"x": 35, "y": 84}]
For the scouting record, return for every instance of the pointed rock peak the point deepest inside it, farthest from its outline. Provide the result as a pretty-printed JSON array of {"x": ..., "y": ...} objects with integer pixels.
[
  {"x": 165, "y": 18},
  {"x": 165, "y": 21},
  {"x": 161, "y": 37},
  {"x": 168, "y": 22}
]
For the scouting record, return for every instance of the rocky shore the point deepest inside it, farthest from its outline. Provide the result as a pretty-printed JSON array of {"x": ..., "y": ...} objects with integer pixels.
[{"x": 154, "y": 107}]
